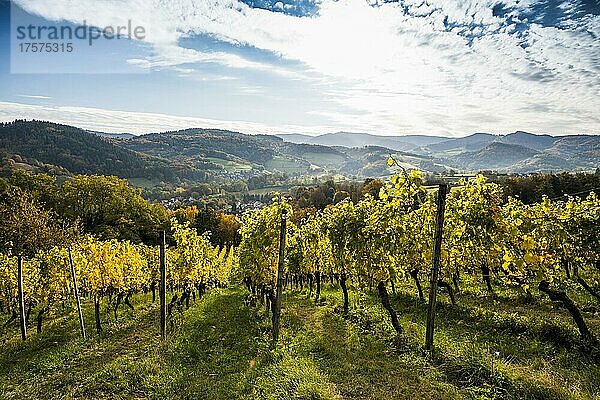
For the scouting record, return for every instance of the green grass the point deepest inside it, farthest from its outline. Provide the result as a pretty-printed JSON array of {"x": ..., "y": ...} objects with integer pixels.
[
  {"x": 327, "y": 160},
  {"x": 220, "y": 349},
  {"x": 287, "y": 165},
  {"x": 230, "y": 165}
]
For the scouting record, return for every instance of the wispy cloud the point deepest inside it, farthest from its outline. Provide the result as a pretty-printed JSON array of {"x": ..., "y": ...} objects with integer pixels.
[
  {"x": 114, "y": 121},
  {"x": 32, "y": 96},
  {"x": 395, "y": 64}
]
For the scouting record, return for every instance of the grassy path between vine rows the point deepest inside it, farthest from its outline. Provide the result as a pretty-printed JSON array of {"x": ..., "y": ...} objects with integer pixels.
[{"x": 219, "y": 349}]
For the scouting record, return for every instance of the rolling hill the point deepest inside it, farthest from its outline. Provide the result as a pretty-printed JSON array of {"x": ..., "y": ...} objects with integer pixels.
[
  {"x": 62, "y": 149},
  {"x": 536, "y": 142},
  {"x": 494, "y": 156},
  {"x": 353, "y": 139},
  {"x": 193, "y": 155},
  {"x": 474, "y": 142},
  {"x": 212, "y": 155},
  {"x": 243, "y": 155},
  {"x": 520, "y": 152}
]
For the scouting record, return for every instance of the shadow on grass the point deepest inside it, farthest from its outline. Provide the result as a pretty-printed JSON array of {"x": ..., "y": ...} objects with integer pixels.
[
  {"x": 58, "y": 363},
  {"x": 223, "y": 352},
  {"x": 464, "y": 316},
  {"x": 361, "y": 365},
  {"x": 220, "y": 350},
  {"x": 476, "y": 353}
]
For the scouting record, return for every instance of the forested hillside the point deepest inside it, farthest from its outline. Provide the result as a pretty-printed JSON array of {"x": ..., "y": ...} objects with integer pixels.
[
  {"x": 66, "y": 149},
  {"x": 212, "y": 161},
  {"x": 191, "y": 155},
  {"x": 234, "y": 154}
]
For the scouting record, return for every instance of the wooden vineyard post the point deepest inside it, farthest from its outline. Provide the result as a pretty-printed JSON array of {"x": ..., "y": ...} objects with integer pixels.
[
  {"x": 163, "y": 285},
  {"x": 76, "y": 290},
  {"x": 21, "y": 297},
  {"x": 437, "y": 252},
  {"x": 277, "y": 307}
]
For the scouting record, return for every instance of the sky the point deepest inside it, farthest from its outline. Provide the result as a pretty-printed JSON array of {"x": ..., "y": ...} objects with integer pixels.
[{"x": 433, "y": 67}]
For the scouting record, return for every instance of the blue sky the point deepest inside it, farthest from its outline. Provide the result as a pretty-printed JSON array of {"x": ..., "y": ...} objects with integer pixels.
[{"x": 315, "y": 66}]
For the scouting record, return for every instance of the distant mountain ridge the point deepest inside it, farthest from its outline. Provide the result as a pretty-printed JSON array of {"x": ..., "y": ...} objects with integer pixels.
[
  {"x": 354, "y": 139},
  {"x": 519, "y": 151},
  {"x": 234, "y": 153},
  {"x": 494, "y": 156},
  {"x": 193, "y": 155},
  {"x": 207, "y": 155},
  {"x": 536, "y": 142},
  {"x": 472, "y": 142}
]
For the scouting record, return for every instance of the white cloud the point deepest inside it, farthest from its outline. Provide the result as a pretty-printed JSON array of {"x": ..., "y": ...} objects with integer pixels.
[
  {"x": 393, "y": 69},
  {"x": 137, "y": 123},
  {"x": 34, "y": 96}
]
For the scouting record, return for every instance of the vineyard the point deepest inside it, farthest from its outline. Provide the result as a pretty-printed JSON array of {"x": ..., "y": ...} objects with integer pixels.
[
  {"x": 111, "y": 272},
  {"x": 552, "y": 246},
  {"x": 365, "y": 264}
]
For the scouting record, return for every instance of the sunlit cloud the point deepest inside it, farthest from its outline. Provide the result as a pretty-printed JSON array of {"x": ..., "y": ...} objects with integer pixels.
[{"x": 438, "y": 67}]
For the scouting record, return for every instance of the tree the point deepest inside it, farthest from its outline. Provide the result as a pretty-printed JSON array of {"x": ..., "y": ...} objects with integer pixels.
[
  {"x": 372, "y": 187},
  {"x": 26, "y": 228},
  {"x": 41, "y": 187},
  {"x": 110, "y": 208}
]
